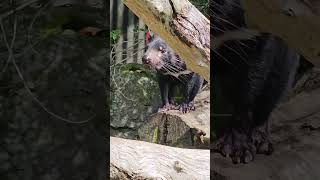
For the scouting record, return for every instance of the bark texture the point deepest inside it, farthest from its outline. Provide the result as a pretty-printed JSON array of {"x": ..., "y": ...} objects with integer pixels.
[
  {"x": 191, "y": 130},
  {"x": 297, "y": 22},
  {"x": 134, "y": 160}
]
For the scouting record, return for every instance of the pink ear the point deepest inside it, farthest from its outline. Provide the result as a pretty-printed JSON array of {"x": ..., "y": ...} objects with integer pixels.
[{"x": 148, "y": 37}]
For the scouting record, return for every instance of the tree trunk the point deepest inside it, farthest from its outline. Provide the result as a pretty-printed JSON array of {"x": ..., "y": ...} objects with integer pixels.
[
  {"x": 190, "y": 130},
  {"x": 182, "y": 26}
]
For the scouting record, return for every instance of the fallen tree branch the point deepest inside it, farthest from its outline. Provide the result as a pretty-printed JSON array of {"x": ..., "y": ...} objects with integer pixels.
[
  {"x": 297, "y": 22},
  {"x": 182, "y": 26},
  {"x": 132, "y": 160}
]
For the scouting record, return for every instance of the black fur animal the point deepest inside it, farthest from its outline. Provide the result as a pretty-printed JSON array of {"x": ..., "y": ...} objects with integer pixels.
[
  {"x": 253, "y": 75},
  {"x": 172, "y": 72}
]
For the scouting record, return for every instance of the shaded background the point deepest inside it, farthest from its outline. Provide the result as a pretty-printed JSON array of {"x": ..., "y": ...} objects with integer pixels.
[{"x": 52, "y": 90}]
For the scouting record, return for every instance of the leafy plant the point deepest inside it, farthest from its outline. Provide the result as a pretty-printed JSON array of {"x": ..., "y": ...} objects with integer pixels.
[
  {"x": 115, "y": 35},
  {"x": 202, "y": 5},
  {"x": 138, "y": 29}
]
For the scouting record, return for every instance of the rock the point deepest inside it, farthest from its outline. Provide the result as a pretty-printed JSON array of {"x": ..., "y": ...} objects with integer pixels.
[
  {"x": 134, "y": 96},
  {"x": 56, "y": 69}
]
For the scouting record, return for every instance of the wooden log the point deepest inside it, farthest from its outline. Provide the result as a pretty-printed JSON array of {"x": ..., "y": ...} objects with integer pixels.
[
  {"x": 173, "y": 128},
  {"x": 297, "y": 22},
  {"x": 132, "y": 160},
  {"x": 182, "y": 26}
]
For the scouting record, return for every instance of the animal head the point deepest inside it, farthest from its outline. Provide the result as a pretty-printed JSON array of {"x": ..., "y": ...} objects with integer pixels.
[{"x": 160, "y": 56}]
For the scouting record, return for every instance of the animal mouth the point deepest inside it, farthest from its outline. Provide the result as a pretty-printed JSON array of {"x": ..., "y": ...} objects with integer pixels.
[
  {"x": 157, "y": 66},
  {"x": 148, "y": 66}
]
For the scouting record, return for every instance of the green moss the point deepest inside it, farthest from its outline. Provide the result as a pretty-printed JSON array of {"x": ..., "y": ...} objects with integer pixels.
[
  {"x": 49, "y": 31},
  {"x": 195, "y": 139},
  {"x": 138, "y": 70},
  {"x": 53, "y": 25},
  {"x": 141, "y": 72},
  {"x": 137, "y": 83},
  {"x": 155, "y": 135}
]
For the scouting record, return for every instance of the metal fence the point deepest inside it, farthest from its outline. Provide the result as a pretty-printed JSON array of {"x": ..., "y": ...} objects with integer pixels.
[{"x": 129, "y": 48}]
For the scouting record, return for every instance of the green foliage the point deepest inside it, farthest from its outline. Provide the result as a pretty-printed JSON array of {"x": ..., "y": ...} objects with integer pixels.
[
  {"x": 202, "y": 6},
  {"x": 138, "y": 29},
  {"x": 115, "y": 35}
]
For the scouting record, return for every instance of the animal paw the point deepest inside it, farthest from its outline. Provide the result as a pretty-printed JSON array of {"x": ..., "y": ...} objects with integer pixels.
[
  {"x": 262, "y": 141},
  {"x": 186, "y": 107},
  {"x": 238, "y": 146}
]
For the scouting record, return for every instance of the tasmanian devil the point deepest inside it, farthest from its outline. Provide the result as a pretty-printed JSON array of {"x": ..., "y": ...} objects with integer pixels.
[
  {"x": 171, "y": 72},
  {"x": 253, "y": 75}
]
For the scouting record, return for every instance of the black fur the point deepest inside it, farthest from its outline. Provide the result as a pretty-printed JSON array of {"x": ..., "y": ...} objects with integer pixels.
[
  {"x": 253, "y": 76},
  {"x": 170, "y": 63}
]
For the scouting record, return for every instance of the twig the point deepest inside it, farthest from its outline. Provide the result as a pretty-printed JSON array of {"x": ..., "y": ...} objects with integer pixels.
[
  {"x": 6, "y": 14},
  {"x": 31, "y": 27}
]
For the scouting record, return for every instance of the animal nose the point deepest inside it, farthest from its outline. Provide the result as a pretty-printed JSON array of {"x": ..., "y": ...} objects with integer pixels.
[{"x": 145, "y": 60}]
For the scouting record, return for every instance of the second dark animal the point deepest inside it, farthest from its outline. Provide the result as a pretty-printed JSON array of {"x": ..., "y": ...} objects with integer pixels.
[
  {"x": 253, "y": 76},
  {"x": 172, "y": 72}
]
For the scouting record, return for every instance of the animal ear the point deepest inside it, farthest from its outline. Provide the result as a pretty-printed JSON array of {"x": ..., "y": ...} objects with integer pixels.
[{"x": 149, "y": 37}]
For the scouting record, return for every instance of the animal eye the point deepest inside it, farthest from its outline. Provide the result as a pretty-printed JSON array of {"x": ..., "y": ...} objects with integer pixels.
[{"x": 162, "y": 49}]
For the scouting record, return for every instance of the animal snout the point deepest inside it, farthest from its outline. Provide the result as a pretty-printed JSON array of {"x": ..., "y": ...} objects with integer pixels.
[{"x": 146, "y": 60}]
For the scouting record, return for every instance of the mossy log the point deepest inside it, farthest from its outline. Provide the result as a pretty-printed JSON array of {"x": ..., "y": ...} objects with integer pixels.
[{"x": 173, "y": 128}]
